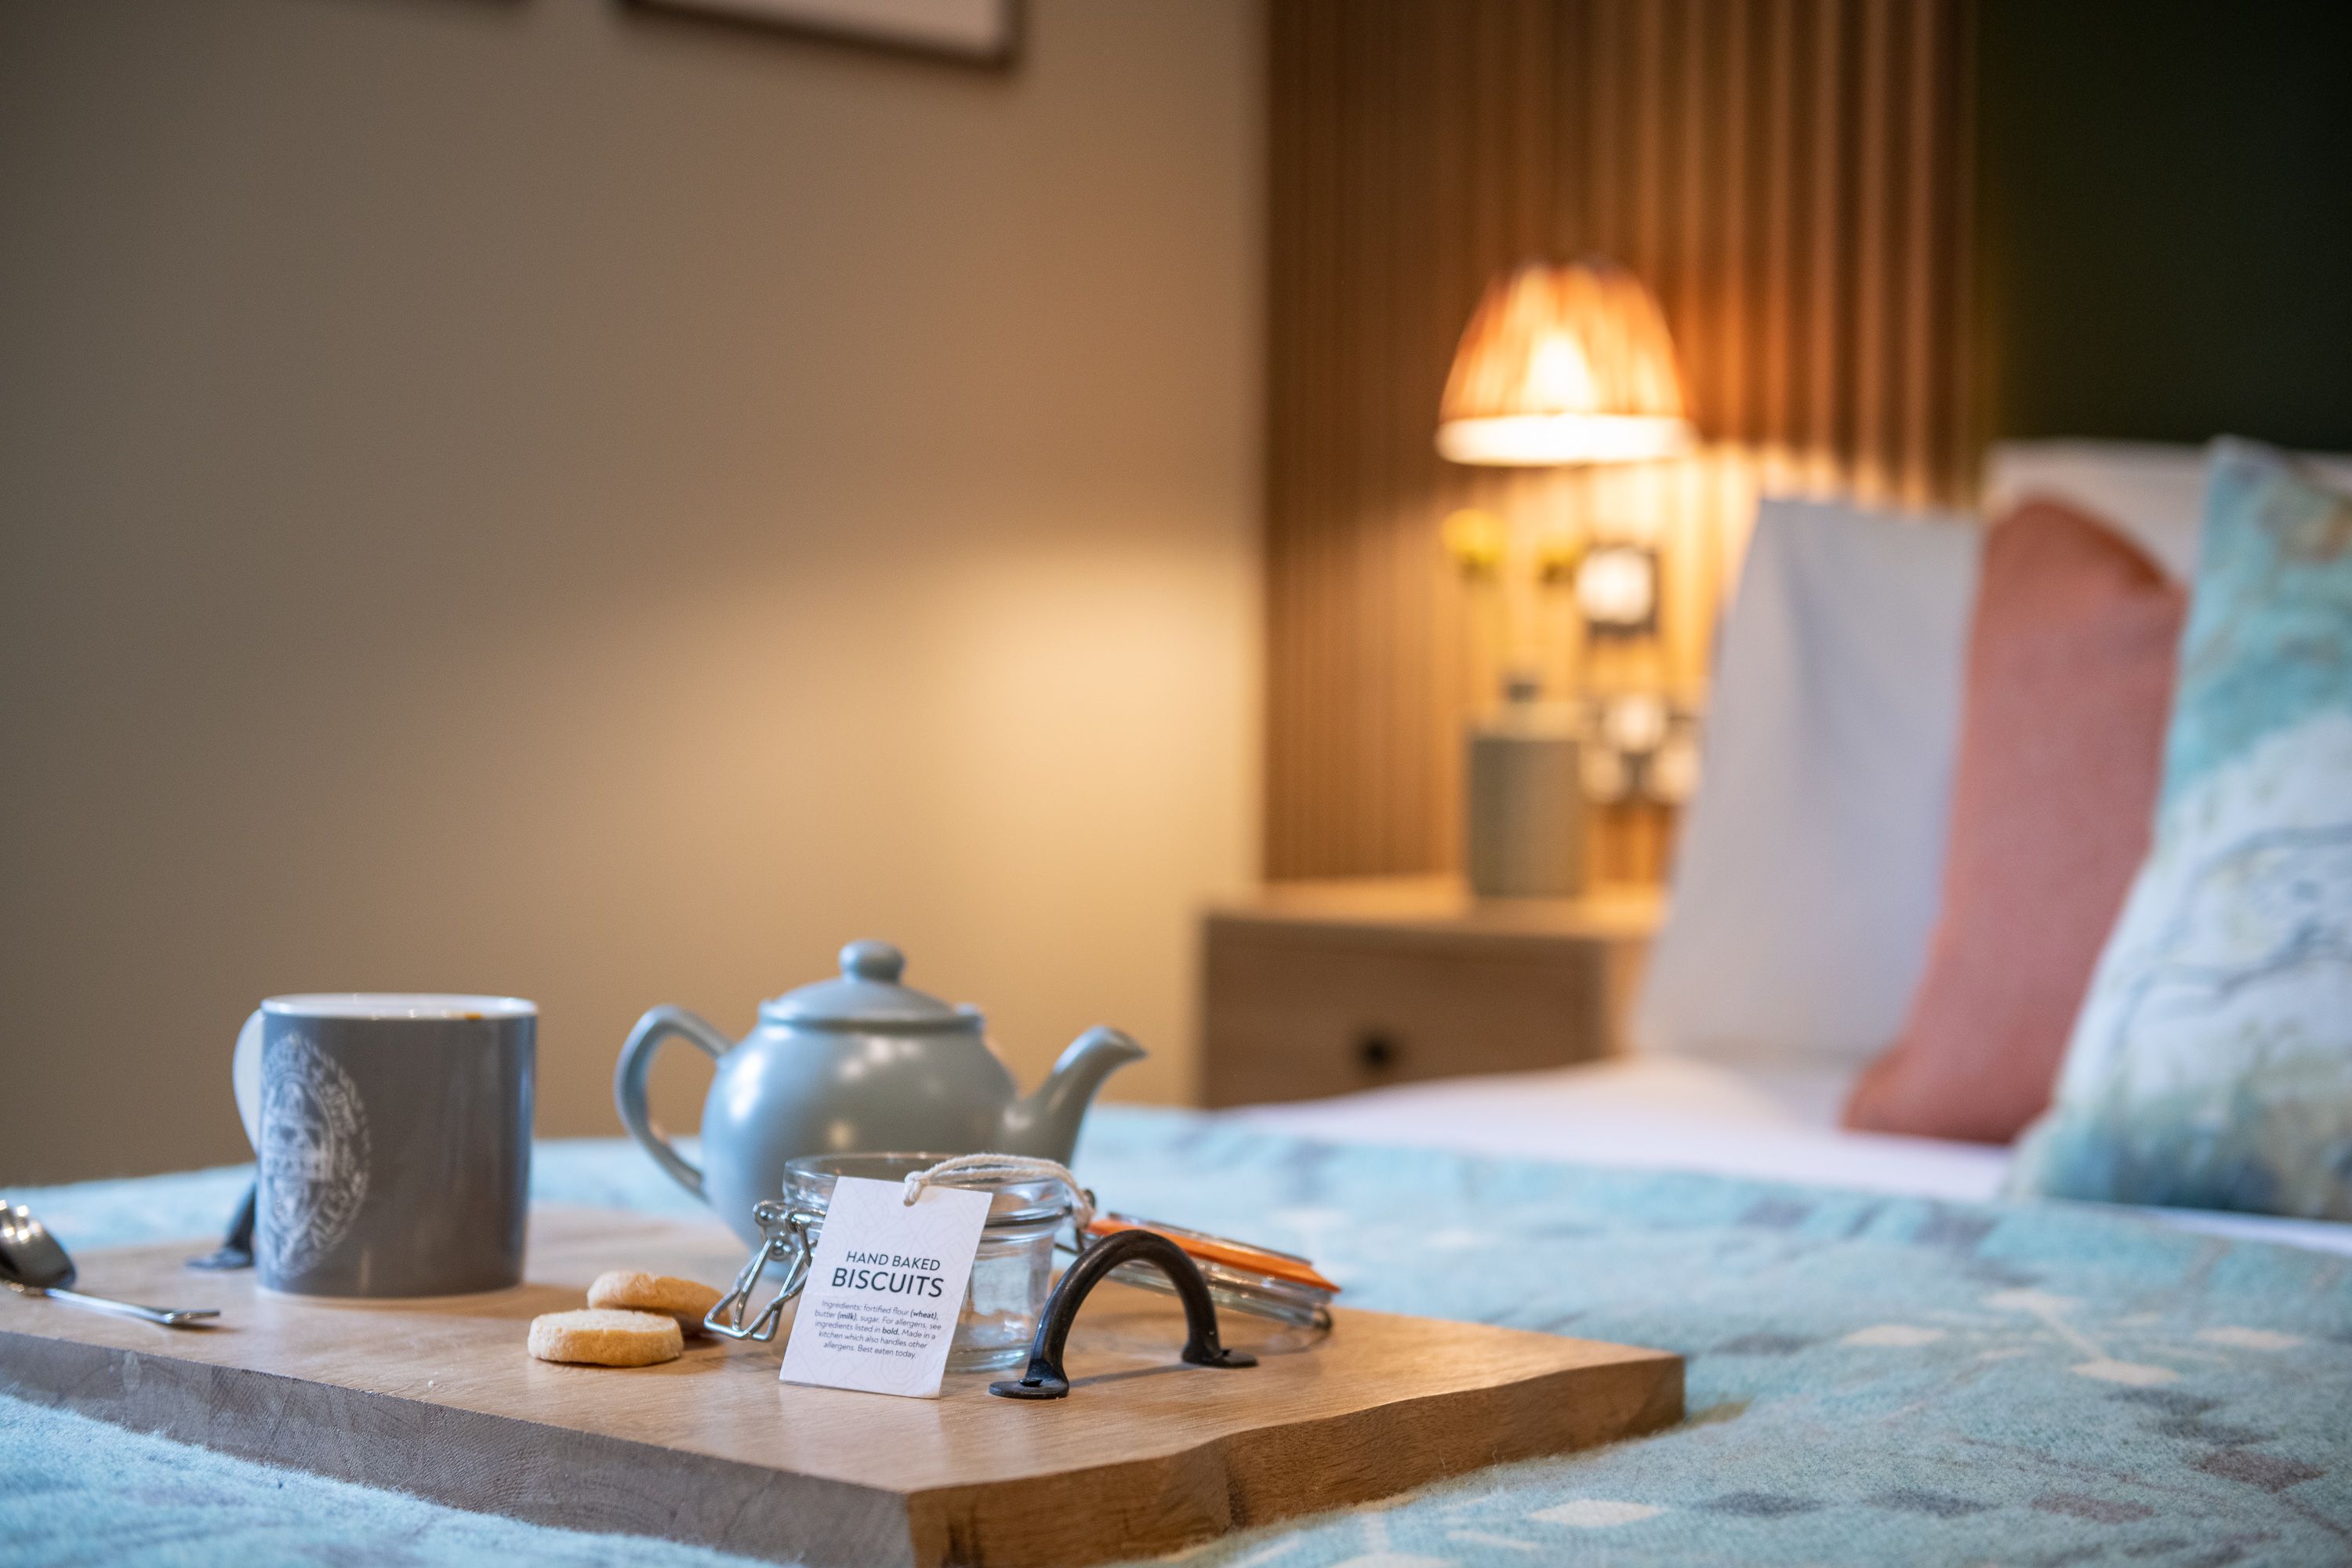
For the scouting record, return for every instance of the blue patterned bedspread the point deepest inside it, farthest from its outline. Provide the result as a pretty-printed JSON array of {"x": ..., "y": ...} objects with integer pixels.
[{"x": 1871, "y": 1380}]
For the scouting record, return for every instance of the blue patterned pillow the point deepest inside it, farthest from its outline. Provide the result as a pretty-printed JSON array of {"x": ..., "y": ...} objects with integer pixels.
[{"x": 2212, "y": 1064}]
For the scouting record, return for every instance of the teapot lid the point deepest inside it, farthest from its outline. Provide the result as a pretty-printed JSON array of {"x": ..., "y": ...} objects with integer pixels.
[{"x": 868, "y": 994}]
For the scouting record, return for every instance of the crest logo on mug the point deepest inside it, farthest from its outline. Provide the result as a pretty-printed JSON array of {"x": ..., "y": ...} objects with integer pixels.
[{"x": 313, "y": 1154}]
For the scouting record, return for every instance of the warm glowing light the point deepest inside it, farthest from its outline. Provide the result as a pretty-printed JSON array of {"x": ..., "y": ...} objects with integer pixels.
[
  {"x": 1536, "y": 441},
  {"x": 1476, "y": 540},
  {"x": 1564, "y": 364},
  {"x": 1617, "y": 587}
]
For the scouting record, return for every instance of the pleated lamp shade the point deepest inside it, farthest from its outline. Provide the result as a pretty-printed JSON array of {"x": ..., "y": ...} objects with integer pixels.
[{"x": 1564, "y": 364}]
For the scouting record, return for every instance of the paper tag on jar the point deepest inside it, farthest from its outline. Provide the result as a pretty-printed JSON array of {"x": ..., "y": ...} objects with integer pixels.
[{"x": 886, "y": 1289}]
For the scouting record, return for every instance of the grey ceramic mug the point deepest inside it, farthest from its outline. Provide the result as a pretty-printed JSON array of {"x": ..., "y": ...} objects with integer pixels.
[{"x": 393, "y": 1135}]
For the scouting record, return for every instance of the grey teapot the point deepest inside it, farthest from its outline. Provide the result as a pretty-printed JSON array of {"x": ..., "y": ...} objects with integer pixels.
[{"x": 859, "y": 1064}]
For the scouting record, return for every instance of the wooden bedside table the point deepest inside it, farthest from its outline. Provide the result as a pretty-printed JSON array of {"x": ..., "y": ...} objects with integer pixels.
[{"x": 1321, "y": 988}]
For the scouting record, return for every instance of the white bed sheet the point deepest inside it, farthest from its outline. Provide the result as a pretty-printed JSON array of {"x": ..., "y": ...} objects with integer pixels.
[{"x": 1659, "y": 1112}]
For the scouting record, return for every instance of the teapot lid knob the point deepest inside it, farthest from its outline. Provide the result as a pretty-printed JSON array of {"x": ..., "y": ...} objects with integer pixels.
[
  {"x": 866, "y": 995},
  {"x": 872, "y": 961}
]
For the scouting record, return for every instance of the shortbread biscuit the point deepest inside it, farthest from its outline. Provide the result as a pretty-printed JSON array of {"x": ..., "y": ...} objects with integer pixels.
[
  {"x": 607, "y": 1338},
  {"x": 632, "y": 1291}
]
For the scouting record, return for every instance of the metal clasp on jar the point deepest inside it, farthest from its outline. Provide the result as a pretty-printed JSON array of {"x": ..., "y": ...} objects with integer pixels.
[{"x": 784, "y": 1238}]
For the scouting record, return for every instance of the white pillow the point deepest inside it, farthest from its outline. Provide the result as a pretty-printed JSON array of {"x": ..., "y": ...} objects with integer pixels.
[
  {"x": 1811, "y": 863},
  {"x": 2154, "y": 492}
]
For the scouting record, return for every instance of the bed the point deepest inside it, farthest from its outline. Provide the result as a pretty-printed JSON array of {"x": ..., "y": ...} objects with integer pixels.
[
  {"x": 1663, "y": 1112},
  {"x": 1874, "y": 1378},
  {"x": 1886, "y": 1362}
]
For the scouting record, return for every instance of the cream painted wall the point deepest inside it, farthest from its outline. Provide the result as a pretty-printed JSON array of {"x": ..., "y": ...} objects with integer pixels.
[{"x": 535, "y": 497}]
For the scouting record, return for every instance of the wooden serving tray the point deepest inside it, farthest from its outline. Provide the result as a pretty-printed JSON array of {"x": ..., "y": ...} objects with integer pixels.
[{"x": 437, "y": 1398}]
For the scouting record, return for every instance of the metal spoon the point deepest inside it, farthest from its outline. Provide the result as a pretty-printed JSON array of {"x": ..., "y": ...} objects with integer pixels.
[{"x": 32, "y": 1263}]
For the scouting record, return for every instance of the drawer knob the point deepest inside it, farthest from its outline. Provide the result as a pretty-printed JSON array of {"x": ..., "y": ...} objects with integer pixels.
[{"x": 1377, "y": 1052}]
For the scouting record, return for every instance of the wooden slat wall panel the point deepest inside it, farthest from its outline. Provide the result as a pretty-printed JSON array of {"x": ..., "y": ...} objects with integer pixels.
[{"x": 1790, "y": 176}]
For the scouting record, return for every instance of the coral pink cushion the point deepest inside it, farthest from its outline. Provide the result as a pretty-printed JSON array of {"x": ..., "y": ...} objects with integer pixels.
[{"x": 2062, "y": 735}]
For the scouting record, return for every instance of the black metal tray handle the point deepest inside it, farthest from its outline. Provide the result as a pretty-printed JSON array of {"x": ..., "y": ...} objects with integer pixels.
[{"x": 1044, "y": 1380}]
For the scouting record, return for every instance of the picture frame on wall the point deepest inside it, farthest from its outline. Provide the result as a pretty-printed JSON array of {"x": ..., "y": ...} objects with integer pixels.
[{"x": 971, "y": 32}]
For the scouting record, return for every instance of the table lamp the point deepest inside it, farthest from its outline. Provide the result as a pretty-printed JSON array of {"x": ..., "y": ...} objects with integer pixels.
[{"x": 1561, "y": 366}]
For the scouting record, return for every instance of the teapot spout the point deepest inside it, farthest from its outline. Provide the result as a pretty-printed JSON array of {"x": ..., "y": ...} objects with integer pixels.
[{"x": 1045, "y": 1125}]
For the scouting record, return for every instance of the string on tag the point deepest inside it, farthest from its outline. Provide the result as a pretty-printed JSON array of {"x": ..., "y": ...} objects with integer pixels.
[{"x": 1007, "y": 1168}]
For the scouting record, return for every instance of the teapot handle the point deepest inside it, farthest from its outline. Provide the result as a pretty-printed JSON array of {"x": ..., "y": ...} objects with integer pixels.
[{"x": 629, "y": 1084}]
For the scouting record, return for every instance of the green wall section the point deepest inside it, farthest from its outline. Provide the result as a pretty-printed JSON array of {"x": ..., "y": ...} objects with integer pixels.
[{"x": 2165, "y": 233}]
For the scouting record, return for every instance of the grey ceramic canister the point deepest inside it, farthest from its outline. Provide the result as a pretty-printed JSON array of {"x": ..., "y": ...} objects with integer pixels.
[
  {"x": 1524, "y": 799},
  {"x": 391, "y": 1134},
  {"x": 858, "y": 1064}
]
